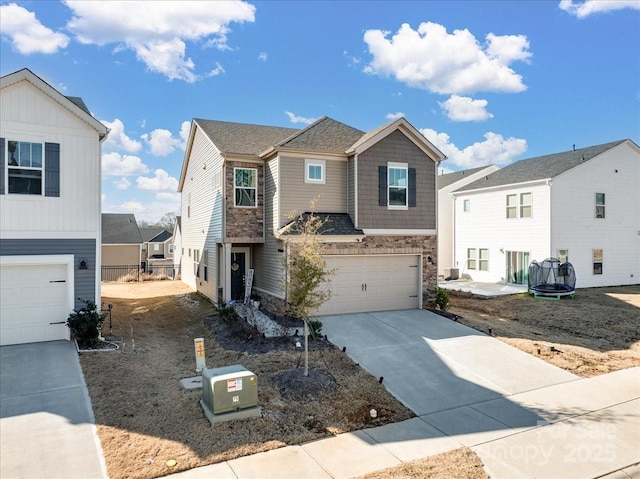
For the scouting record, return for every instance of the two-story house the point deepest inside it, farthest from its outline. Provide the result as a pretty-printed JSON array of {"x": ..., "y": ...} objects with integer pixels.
[
  {"x": 580, "y": 206},
  {"x": 50, "y": 194},
  {"x": 240, "y": 184}
]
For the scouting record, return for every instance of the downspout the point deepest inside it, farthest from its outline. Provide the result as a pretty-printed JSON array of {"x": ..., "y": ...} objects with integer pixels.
[{"x": 355, "y": 189}]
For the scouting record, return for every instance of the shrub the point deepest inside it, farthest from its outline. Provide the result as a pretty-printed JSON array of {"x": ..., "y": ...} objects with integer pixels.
[
  {"x": 315, "y": 328},
  {"x": 85, "y": 323},
  {"x": 226, "y": 312},
  {"x": 442, "y": 299}
]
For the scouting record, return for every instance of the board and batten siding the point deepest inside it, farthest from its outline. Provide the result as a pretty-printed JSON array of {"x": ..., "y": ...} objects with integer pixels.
[
  {"x": 27, "y": 114},
  {"x": 575, "y": 227},
  {"x": 81, "y": 249},
  {"x": 202, "y": 223},
  {"x": 396, "y": 147},
  {"x": 296, "y": 195},
  {"x": 351, "y": 188},
  {"x": 486, "y": 226},
  {"x": 267, "y": 258}
]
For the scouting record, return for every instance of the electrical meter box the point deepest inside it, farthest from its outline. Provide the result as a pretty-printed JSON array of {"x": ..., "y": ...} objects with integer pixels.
[{"x": 228, "y": 390}]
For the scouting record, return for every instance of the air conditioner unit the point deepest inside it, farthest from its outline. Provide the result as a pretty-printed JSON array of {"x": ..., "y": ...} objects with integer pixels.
[{"x": 229, "y": 393}]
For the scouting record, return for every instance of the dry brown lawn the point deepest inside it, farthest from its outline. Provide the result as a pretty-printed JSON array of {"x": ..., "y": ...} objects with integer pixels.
[
  {"x": 145, "y": 418},
  {"x": 594, "y": 333}
]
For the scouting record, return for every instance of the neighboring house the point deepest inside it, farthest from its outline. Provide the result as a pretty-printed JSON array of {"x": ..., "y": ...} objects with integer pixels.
[
  {"x": 446, "y": 184},
  {"x": 157, "y": 243},
  {"x": 177, "y": 243},
  {"x": 121, "y": 240},
  {"x": 50, "y": 157},
  {"x": 240, "y": 183},
  {"x": 581, "y": 206}
]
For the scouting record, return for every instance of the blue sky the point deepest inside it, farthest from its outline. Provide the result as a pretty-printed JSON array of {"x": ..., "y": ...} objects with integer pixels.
[{"x": 485, "y": 81}]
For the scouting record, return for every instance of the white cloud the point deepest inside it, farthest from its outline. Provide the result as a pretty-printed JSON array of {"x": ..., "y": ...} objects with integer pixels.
[
  {"x": 27, "y": 34},
  {"x": 262, "y": 57},
  {"x": 122, "y": 183},
  {"x": 293, "y": 118},
  {"x": 114, "y": 164},
  {"x": 590, "y": 7},
  {"x": 118, "y": 139},
  {"x": 185, "y": 128},
  {"x": 432, "y": 59},
  {"x": 394, "y": 116},
  {"x": 158, "y": 31},
  {"x": 495, "y": 149},
  {"x": 160, "y": 182},
  {"x": 214, "y": 72},
  {"x": 463, "y": 108},
  {"x": 161, "y": 142},
  {"x": 132, "y": 207}
]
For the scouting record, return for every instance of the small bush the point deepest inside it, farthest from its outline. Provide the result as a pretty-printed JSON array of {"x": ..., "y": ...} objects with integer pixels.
[
  {"x": 315, "y": 328},
  {"x": 442, "y": 299},
  {"x": 226, "y": 312},
  {"x": 85, "y": 323}
]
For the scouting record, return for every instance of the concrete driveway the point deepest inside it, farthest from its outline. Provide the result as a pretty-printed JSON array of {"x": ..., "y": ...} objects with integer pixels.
[
  {"x": 524, "y": 417},
  {"x": 46, "y": 420}
]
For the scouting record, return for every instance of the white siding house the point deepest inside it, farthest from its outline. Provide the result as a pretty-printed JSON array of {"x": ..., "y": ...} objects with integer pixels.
[
  {"x": 50, "y": 223},
  {"x": 581, "y": 206},
  {"x": 448, "y": 183}
]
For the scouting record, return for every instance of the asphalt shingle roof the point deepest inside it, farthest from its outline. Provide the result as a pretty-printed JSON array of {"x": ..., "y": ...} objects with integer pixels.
[
  {"x": 242, "y": 138},
  {"x": 155, "y": 234},
  {"x": 326, "y": 135},
  {"x": 450, "y": 178},
  {"x": 79, "y": 102},
  {"x": 541, "y": 167},
  {"x": 334, "y": 224},
  {"x": 120, "y": 229}
]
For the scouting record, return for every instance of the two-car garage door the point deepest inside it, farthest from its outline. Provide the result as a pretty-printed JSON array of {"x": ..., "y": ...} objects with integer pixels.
[
  {"x": 35, "y": 301},
  {"x": 373, "y": 283}
]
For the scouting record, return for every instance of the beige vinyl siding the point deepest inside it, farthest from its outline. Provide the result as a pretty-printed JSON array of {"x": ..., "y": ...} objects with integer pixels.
[
  {"x": 120, "y": 254},
  {"x": 296, "y": 195},
  {"x": 267, "y": 259},
  {"x": 203, "y": 228},
  {"x": 76, "y": 212},
  {"x": 351, "y": 188},
  {"x": 396, "y": 147}
]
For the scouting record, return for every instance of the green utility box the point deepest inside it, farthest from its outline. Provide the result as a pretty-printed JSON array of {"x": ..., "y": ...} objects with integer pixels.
[{"x": 228, "y": 393}]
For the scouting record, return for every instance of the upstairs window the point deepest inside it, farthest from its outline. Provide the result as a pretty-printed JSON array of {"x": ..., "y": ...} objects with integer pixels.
[
  {"x": 525, "y": 205},
  {"x": 25, "y": 162},
  {"x": 398, "y": 183},
  {"x": 245, "y": 186},
  {"x": 512, "y": 206},
  {"x": 314, "y": 171},
  {"x": 600, "y": 205},
  {"x": 466, "y": 206}
]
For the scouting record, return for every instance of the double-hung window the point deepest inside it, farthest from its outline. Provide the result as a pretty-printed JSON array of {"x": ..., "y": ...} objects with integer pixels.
[
  {"x": 597, "y": 261},
  {"x": 245, "y": 187},
  {"x": 600, "y": 205},
  {"x": 24, "y": 167},
  {"x": 525, "y": 205},
  {"x": 512, "y": 206},
  {"x": 483, "y": 262},
  {"x": 471, "y": 258},
  {"x": 466, "y": 206},
  {"x": 398, "y": 185},
  {"x": 520, "y": 206}
]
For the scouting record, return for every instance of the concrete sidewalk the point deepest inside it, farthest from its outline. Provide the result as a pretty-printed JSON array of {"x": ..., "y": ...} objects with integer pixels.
[
  {"x": 599, "y": 436},
  {"x": 46, "y": 420}
]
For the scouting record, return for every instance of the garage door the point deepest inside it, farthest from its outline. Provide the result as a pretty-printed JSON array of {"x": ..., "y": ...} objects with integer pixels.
[
  {"x": 373, "y": 283},
  {"x": 32, "y": 297}
]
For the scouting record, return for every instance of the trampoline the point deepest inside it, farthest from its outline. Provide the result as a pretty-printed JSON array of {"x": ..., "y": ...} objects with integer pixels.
[{"x": 552, "y": 279}]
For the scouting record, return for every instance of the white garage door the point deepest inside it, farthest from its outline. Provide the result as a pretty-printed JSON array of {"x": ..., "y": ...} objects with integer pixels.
[
  {"x": 35, "y": 303},
  {"x": 373, "y": 283}
]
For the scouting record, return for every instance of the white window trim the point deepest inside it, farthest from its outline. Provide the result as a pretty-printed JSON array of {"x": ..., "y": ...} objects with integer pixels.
[
  {"x": 603, "y": 205},
  {"x": 521, "y": 205},
  {"x": 235, "y": 187},
  {"x": 404, "y": 166},
  {"x": 323, "y": 170},
  {"x": 481, "y": 260},
  {"x": 466, "y": 206},
  {"x": 23, "y": 139},
  {"x": 473, "y": 258}
]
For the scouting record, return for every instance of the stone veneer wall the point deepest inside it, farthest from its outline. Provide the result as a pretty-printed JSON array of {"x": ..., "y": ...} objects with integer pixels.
[
  {"x": 244, "y": 225},
  {"x": 371, "y": 245}
]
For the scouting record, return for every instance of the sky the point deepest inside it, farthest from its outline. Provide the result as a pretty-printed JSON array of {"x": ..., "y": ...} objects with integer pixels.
[{"x": 487, "y": 82}]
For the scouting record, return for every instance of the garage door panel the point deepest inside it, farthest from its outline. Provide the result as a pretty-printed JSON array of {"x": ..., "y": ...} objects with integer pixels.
[
  {"x": 372, "y": 283},
  {"x": 32, "y": 296}
]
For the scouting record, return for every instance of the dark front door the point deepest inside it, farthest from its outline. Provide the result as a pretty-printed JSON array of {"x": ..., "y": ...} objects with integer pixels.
[{"x": 237, "y": 275}]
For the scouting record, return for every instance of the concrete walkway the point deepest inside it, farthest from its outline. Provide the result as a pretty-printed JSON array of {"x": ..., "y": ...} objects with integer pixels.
[
  {"x": 486, "y": 290},
  {"x": 523, "y": 417},
  {"x": 46, "y": 421}
]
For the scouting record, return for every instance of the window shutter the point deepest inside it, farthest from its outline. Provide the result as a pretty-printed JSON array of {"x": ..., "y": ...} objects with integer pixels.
[
  {"x": 2, "y": 166},
  {"x": 382, "y": 185},
  {"x": 412, "y": 187},
  {"x": 52, "y": 169}
]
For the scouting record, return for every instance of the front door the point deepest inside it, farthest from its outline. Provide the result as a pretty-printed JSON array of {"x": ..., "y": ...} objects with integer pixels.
[{"x": 238, "y": 265}]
